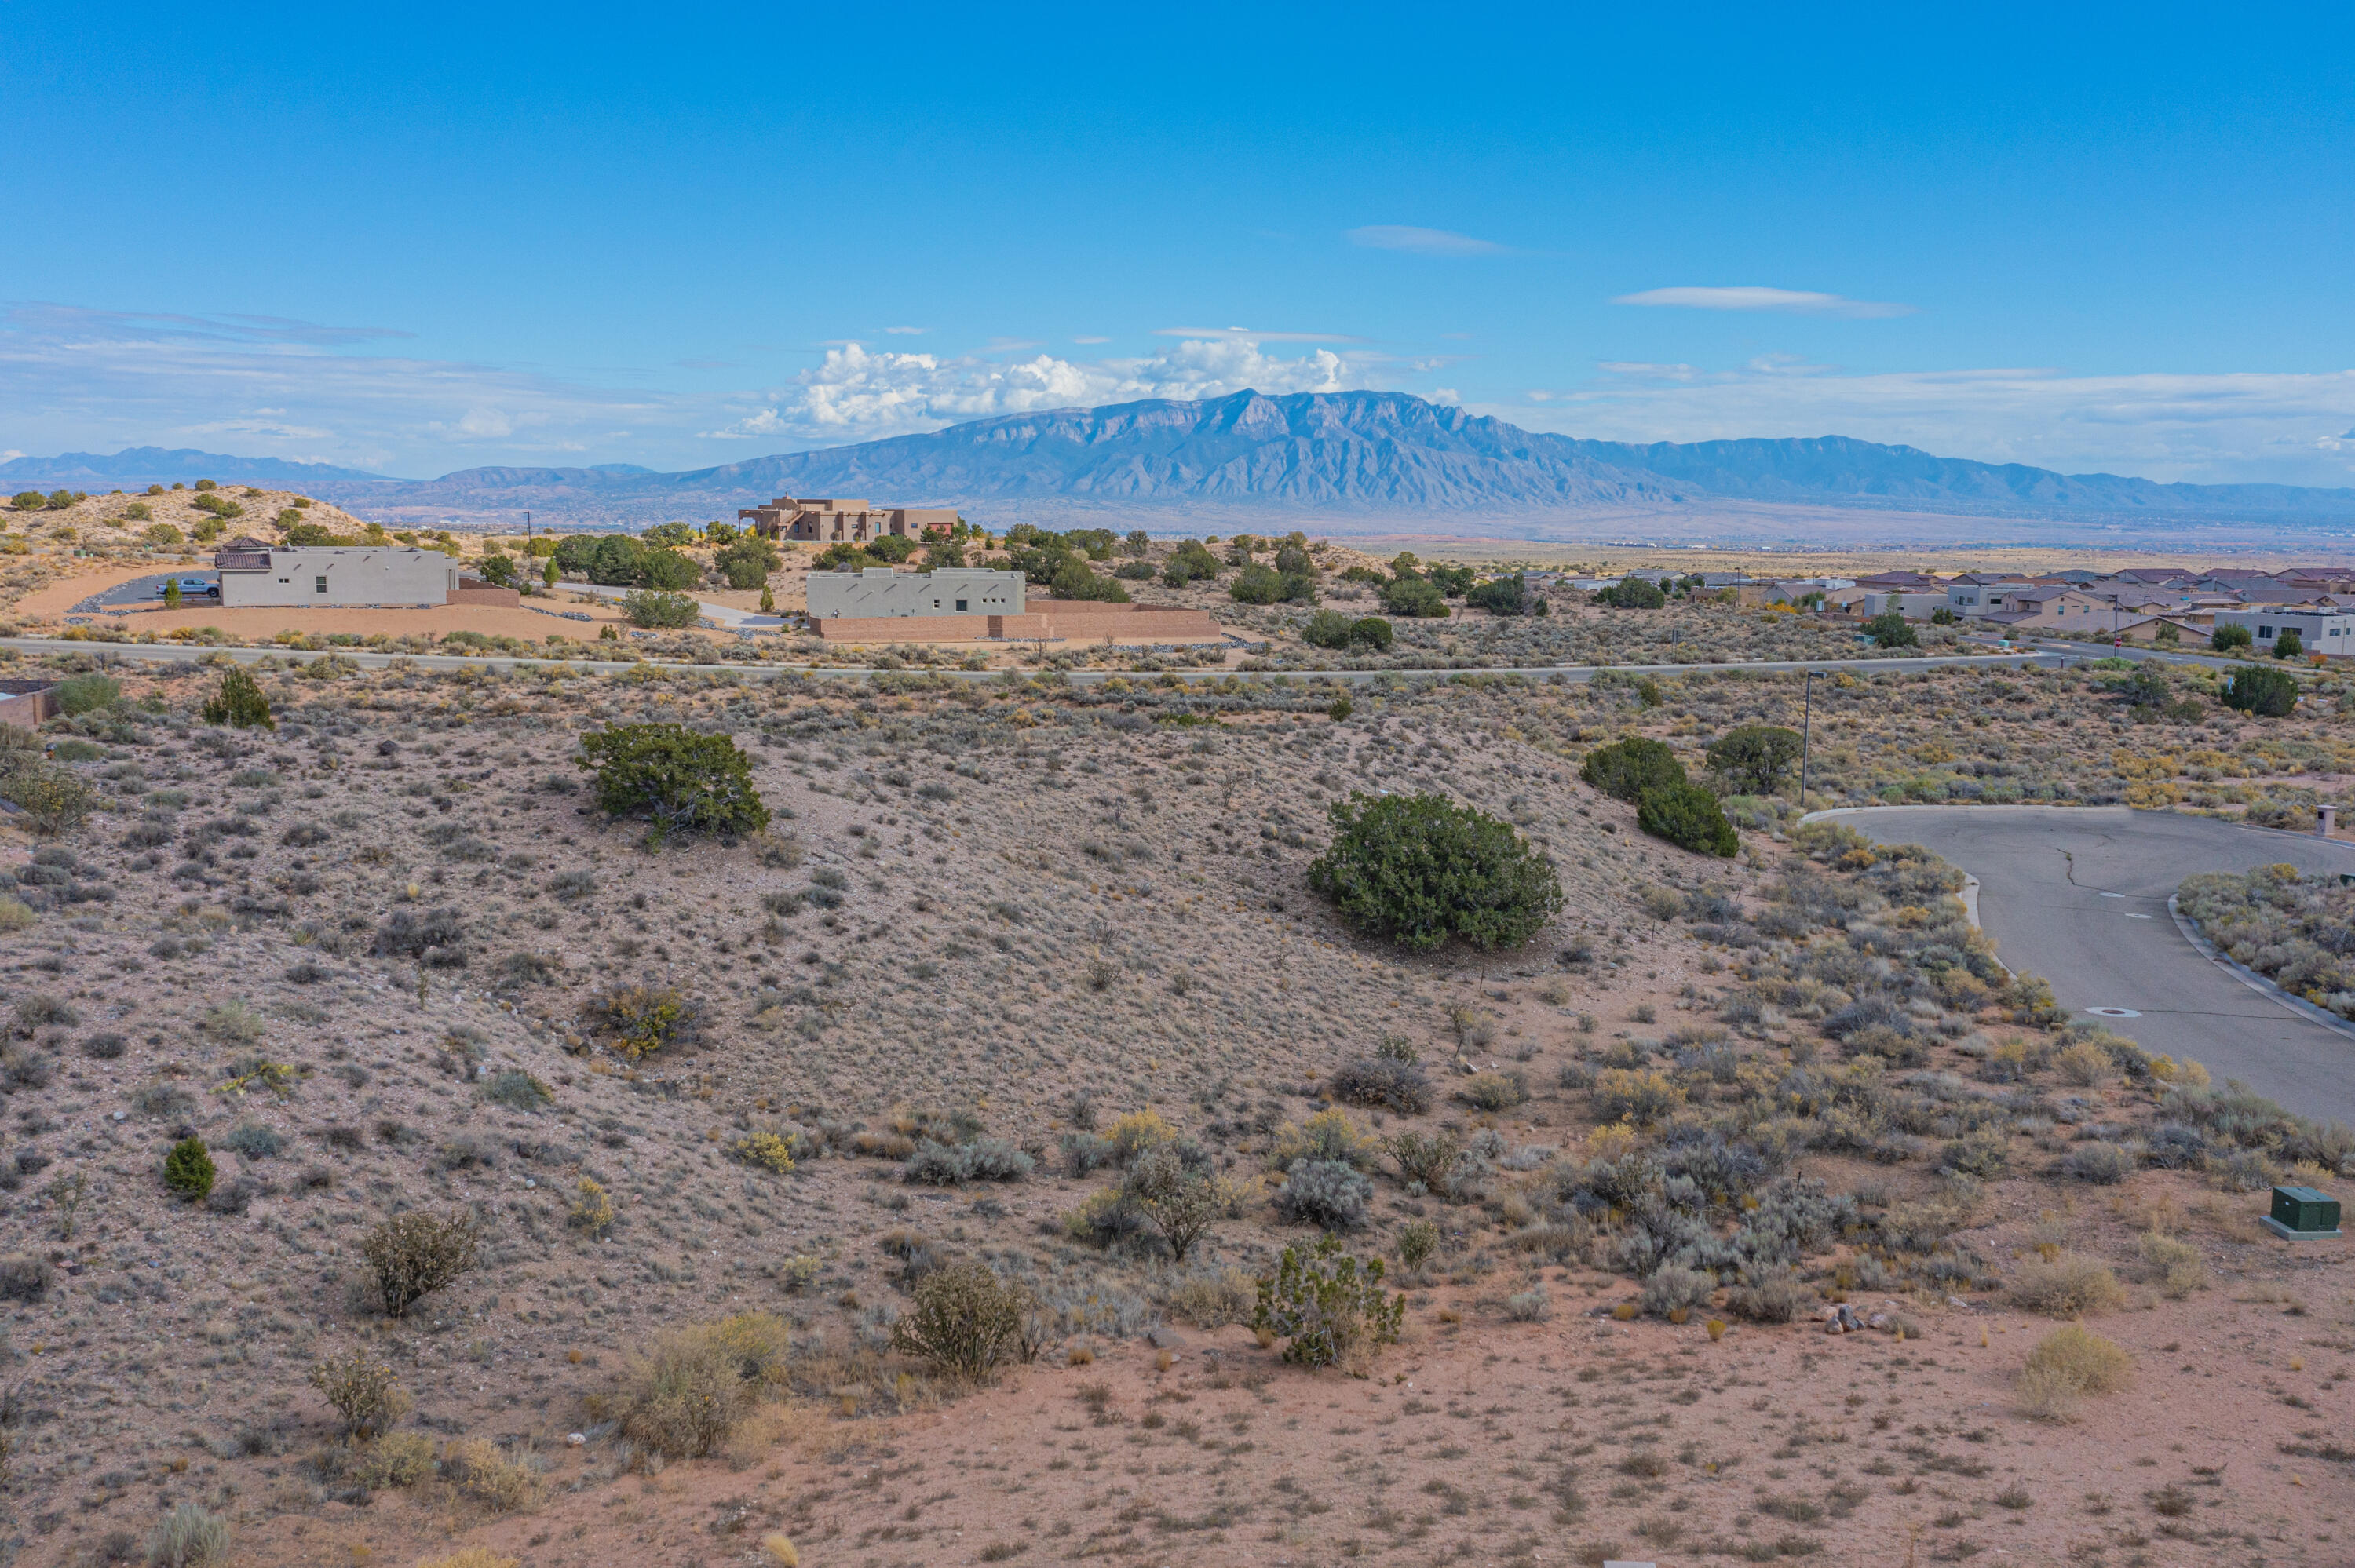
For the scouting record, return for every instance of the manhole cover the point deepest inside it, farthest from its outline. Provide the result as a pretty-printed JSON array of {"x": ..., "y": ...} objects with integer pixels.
[{"x": 2114, "y": 1013}]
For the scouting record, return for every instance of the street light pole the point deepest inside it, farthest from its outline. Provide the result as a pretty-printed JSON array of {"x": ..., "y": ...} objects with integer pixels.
[{"x": 1806, "y": 733}]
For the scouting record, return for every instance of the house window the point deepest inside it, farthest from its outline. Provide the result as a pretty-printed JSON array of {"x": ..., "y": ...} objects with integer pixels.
[
  {"x": 2265, "y": 632},
  {"x": 318, "y": 584},
  {"x": 961, "y": 604}
]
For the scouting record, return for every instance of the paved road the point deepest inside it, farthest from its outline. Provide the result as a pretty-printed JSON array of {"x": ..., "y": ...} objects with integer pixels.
[
  {"x": 1576, "y": 675},
  {"x": 2078, "y": 895}
]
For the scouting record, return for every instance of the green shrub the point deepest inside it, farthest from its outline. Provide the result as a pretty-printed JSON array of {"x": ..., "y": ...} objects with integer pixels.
[
  {"x": 29, "y": 500},
  {"x": 416, "y": 1253},
  {"x": 1418, "y": 870},
  {"x": 162, "y": 536},
  {"x": 2224, "y": 639},
  {"x": 1191, "y": 561},
  {"x": 1371, "y": 631},
  {"x": 499, "y": 571},
  {"x": 1689, "y": 817},
  {"x": 1326, "y": 629},
  {"x": 1505, "y": 595},
  {"x": 667, "y": 571},
  {"x": 1634, "y": 593},
  {"x": 188, "y": 1168},
  {"x": 1624, "y": 769},
  {"x": 1889, "y": 628},
  {"x": 238, "y": 703},
  {"x": 2290, "y": 644},
  {"x": 652, "y": 609},
  {"x": 2268, "y": 694},
  {"x": 1179, "y": 1201},
  {"x": 1755, "y": 757},
  {"x": 1326, "y": 1305},
  {"x": 84, "y": 693},
  {"x": 1414, "y": 598},
  {"x": 747, "y": 562},
  {"x": 965, "y": 1320},
  {"x": 1074, "y": 579},
  {"x": 679, "y": 781},
  {"x": 1256, "y": 584}
]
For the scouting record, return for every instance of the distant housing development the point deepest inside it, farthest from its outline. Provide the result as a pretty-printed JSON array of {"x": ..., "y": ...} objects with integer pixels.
[
  {"x": 840, "y": 522},
  {"x": 253, "y": 573}
]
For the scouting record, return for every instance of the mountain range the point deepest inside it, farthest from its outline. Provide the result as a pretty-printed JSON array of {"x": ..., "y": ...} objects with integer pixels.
[{"x": 1353, "y": 461}]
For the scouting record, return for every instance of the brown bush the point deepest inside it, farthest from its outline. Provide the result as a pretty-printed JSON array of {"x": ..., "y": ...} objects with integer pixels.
[
  {"x": 689, "y": 1391},
  {"x": 416, "y": 1253},
  {"x": 2066, "y": 1287},
  {"x": 2069, "y": 1364}
]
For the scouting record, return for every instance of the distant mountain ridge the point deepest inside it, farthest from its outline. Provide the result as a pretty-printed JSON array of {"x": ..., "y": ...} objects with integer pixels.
[
  {"x": 1387, "y": 458},
  {"x": 157, "y": 465}
]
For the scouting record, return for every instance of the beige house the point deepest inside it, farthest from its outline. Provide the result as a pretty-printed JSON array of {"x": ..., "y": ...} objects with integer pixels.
[
  {"x": 340, "y": 576},
  {"x": 879, "y": 591},
  {"x": 841, "y": 521}
]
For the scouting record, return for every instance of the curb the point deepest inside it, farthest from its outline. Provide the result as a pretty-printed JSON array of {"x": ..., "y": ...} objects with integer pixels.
[{"x": 2254, "y": 981}]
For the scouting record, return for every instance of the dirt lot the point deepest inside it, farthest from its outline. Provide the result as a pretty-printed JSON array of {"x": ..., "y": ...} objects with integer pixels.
[{"x": 1042, "y": 909}]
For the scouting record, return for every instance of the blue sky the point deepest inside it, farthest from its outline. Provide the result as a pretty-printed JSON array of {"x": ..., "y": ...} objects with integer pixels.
[{"x": 435, "y": 237}]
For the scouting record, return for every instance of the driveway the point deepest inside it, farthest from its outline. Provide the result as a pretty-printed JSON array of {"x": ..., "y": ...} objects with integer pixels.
[
  {"x": 2079, "y": 896},
  {"x": 720, "y": 615}
]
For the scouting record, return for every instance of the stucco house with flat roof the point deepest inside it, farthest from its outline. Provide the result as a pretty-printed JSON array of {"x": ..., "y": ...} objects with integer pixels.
[
  {"x": 881, "y": 591},
  {"x": 345, "y": 576},
  {"x": 2330, "y": 633}
]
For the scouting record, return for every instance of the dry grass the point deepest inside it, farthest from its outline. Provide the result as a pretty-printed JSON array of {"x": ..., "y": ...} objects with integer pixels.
[
  {"x": 2066, "y": 1286},
  {"x": 2069, "y": 1364},
  {"x": 691, "y": 1389},
  {"x": 2174, "y": 1266}
]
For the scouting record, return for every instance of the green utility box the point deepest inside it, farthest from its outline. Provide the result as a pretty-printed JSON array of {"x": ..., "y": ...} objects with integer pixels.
[{"x": 2301, "y": 1213}]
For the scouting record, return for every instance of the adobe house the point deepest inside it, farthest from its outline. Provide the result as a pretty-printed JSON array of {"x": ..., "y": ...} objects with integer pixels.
[
  {"x": 347, "y": 576},
  {"x": 840, "y": 522}
]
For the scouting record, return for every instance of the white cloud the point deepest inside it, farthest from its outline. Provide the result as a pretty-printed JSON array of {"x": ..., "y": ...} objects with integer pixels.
[
  {"x": 1786, "y": 301},
  {"x": 1091, "y": 340},
  {"x": 857, "y": 394},
  {"x": 2212, "y": 429},
  {"x": 907, "y": 332},
  {"x": 1424, "y": 241}
]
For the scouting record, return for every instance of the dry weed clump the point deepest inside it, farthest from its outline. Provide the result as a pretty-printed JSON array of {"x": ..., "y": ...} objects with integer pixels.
[
  {"x": 691, "y": 1389},
  {"x": 2067, "y": 1365},
  {"x": 191, "y": 1536},
  {"x": 473, "y": 1557},
  {"x": 362, "y": 1390},
  {"x": 2066, "y": 1286},
  {"x": 2174, "y": 1266},
  {"x": 416, "y": 1253},
  {"x": 475, "y": 1468}
]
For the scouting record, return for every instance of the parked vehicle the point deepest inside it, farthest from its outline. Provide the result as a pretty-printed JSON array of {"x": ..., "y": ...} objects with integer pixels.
[{"x": 191, "y": 588}]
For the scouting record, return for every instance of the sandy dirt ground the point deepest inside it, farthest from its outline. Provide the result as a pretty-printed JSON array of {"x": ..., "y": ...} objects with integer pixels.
[{"x": 1574, "y": 1440}]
